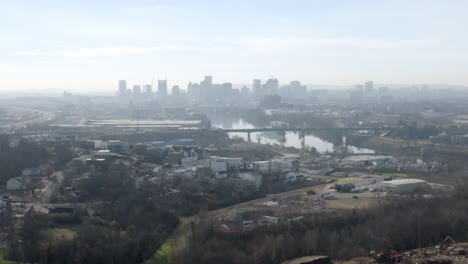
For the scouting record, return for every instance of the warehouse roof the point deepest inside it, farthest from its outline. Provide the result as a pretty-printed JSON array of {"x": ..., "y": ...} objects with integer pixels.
[
  {"x": 401, "y": 182},
  {"x": 366, "y": 157}
]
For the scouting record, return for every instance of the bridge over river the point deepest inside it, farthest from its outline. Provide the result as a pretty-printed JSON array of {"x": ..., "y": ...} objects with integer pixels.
[{"x": 303, "y": 130}]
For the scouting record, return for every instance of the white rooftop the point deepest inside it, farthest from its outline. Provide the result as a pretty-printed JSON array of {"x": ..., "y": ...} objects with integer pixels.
[
  {"x": 366, "y": 157},
  {"x": 401, "y": 182}
]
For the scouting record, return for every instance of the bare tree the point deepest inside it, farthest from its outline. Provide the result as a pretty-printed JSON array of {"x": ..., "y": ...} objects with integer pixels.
[
  {"x": 259, "y": 138},
  {"x": 282, "y": 138}
]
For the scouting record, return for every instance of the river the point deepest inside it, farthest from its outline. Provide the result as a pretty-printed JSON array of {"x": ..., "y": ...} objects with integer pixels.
[{"x": 292, "y": 138}]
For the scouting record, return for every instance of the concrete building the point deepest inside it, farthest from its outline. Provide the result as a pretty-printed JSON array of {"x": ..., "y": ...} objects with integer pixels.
[
  {"x": 369, "y": 87},
  {"x": 218, "y": 166},
  {"x": 122, "y": 88},
  {"x": 406, "y": 186},
  {"x": 245, "y": 91},
  {"x": 175, "y": 90},
  {"x": 224, "y": 165},
  {"x": 118, "y": 146},
  {"x": 271, "y": 86},
  {"x": 186, "y": 162},
  {"x": 147, "y": 89},
  {"x": 284, "y": 165},
  {"x": 232, "y": 163},
  {"x": 162, "y": 88},
  {"x": 367, "y": 160},
  {"x": 136, "y": 89},
  {"x": 207, "y": 81}
]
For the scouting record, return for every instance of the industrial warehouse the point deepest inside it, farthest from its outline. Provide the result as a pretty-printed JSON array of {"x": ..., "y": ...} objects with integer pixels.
[{"x": 406, "y": 186}]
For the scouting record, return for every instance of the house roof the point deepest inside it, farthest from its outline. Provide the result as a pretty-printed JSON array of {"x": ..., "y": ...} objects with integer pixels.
[{"x": 18, "y": 179}]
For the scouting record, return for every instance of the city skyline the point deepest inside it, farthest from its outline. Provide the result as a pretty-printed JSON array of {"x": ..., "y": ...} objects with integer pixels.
[{"x": 55, "y": 45}]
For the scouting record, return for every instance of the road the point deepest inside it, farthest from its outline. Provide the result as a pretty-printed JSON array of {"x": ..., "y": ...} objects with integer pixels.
[
  {"x": 42, "y": 200},
  {"x": 289, "y": 194}
]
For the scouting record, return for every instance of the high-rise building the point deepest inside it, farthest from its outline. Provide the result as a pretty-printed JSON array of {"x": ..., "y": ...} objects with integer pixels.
[
  {"x": 227, "y": 89},
  {"x": 136, "y": 89},
  {"x": 122, "y": 88},
  {"x": 257, "y": 87},
  {"x": 245, "y": 91},
  {"x": 147, "y": 89},
  {"x": 271, "y": 86},
  {"x": 189, "y": 88},
  {"x": 209, "y": 80},
  {"x": 162, "y": 87},
  {"x": 175, "y": 90},
  {"x": 297, "y": 90},
  {"x": 369, "y": 87}
]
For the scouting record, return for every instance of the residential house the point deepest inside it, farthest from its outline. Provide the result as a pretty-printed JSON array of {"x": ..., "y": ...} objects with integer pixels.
[
  {"x": 15, "y": 184},
  {"x": 292, "y": 177},
  {"x": 218, "y": 166},
  {"x": 184, "y": 172},
  {"x": 284, "y": 165},
  {"x": 261, "y": 166},
  {"x": 29, "y": 172},
  {"x": 188, "y": 161},
  {"x": 233, "y": 165}
]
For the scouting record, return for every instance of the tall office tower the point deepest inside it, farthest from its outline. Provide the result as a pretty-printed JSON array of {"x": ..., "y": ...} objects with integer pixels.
[
  {"x": 296, "y": 90},
  {"x": 175, "y": 90},
  {"x": 227, "y": 89},
  {"x": 147, "y": 89},
  {"x": 189, "y": 88},
  {"x": 369, "y": 87},
  {"x": 162, "y": 87},
  {"x": 257, "y": 87},
  {"x": 271, "y": 86},
  {"x": 245, "y": 91},
  {"x": 136, "y": 89},
  {"x": 209, "y": 80},
  {"x": 122, "y": 88}
]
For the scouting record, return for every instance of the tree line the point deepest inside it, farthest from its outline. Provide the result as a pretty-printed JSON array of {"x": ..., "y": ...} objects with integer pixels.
[{"x": 401, "y": 224}]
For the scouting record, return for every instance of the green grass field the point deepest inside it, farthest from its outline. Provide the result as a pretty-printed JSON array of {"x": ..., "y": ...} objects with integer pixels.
[
  {"x": 165, "y": 252},
  {"x": 397, "y": 175},
  {"x": 349, "y": 180},
  {"x": 350, "y": 203}
]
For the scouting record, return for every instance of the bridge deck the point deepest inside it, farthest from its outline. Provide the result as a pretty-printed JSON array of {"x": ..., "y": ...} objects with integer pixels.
[{"x": 304, "y": 129}]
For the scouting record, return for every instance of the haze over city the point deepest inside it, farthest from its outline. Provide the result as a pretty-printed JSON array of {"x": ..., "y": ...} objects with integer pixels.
[
  {"x": 233, "y": 132},
  {"x": 85, "y": 46}
]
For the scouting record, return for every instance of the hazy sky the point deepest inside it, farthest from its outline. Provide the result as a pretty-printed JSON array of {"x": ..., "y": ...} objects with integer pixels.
[{"x": 90, "y": 45}]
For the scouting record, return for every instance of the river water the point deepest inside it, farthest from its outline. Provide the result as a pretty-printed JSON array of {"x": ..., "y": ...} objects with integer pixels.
[{"x": 292, "y": 138}]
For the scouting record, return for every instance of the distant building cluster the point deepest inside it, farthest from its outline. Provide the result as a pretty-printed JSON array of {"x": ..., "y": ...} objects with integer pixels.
[
  {"x": 141, "y": 91},
  {"x": 208, "y": 91}
]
